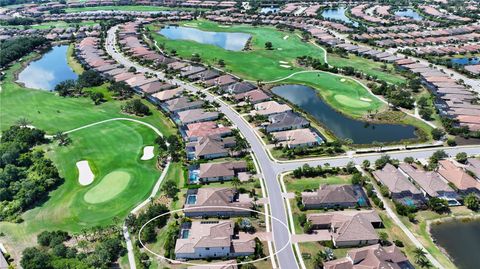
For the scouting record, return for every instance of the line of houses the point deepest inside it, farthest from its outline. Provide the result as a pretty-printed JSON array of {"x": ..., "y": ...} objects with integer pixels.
[{"x": 411, "y": 185}]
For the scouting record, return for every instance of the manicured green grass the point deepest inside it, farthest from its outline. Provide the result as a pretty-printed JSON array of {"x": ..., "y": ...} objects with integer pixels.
[
  {"x": 53, "y": 113},
  {"x": 72, "y": 62},
  {"x": 110, "y": 186},
  {"x": 127, "y": 8},
  {"x": 62, "y": 24},
  {"x": 108, "y": 147},
  {"x": 368, "y": 67},
  {"x": 302, "y": 184},
  {"x": 342, "y": 93},
  {"x": 258, "y": 63}
]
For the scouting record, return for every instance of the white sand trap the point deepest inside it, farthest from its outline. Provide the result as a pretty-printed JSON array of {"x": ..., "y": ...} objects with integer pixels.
[
  {"x": 285, "y": 37},
  {"x": 224, "y": 26},
  {"x": 285, "y": 65},
  {"x": 85, "y": 174},
  {"x": 283, "y": 62},
  {"x": 365, "y": 99},
  {"x": 279, "y": 49},
  {"x": 147, "y": 153},
  {"x": 343, "y": 80}
]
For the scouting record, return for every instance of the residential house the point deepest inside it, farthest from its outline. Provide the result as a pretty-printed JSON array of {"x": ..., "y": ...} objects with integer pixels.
[
  {"x": 372, "y": 257},
  {"x": 286, "y": 121},
  {"x": 238, "y": 87},
  {"x": 210, "y": 172},
  {"x": 168, "y": 94},
  {"x": 210, "y": 147},
  {"x": 297, "y": 138},
  {"x": 195, "y": 131},
  {"x": 330, "y": 196},
  {"x": 220, "y": 81},
  {"x": 252, "y": 97},
  {"x": 270, "y": 108},
  {"x": 430, "y": 183},
  {"x": 464, "y": 182},
  {"x": 348, "y": 228},
  {"x": 401, "y": 189},
  {"x": 217, "y": 202},
  {"x": 211, "y": 239},
  {"x": 181, "y": 104},
  {"x": 473, "y": 165},
  {"x": 196, "y": 115}
]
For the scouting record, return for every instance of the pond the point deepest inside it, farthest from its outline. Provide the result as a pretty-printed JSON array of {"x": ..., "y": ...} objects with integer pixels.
[
  {"x": 409, "y": 13},
  {"x": 46, "y": 72},
  {"x": 338, "y": 14},
  {"x": 461, "y": 240},
  {"x": 465, "y": 61},
  {"x": 360, "y": 132},
  {"x": 226, "y": 40}
]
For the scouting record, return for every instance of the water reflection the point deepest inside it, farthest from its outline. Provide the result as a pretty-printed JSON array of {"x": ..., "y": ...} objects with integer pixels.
[
  {"x": 409, "y": 13},
  {"x": 228, "y": 41},
  {"x": 51, "y": 69},
  {"x": 338, "y": 14}
]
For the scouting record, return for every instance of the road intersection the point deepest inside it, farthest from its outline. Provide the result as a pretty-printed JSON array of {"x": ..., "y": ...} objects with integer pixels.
[{"x": 272, "y": 168}]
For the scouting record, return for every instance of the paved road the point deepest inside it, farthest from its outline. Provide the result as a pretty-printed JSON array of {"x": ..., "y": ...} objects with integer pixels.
[{"x": 272, "y": 168}]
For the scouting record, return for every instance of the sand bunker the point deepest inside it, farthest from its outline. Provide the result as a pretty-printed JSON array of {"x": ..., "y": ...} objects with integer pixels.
[
  {"x": 147, "y": 153},
  {"x": 279, "y": 49},
  {"x": 285, "y": 37},
  {"x": 343, "y": 80},
  {"x": 283, "y": 62},
  {"x": 85, "y": 174},
  {"x": 285, "y": 66}
]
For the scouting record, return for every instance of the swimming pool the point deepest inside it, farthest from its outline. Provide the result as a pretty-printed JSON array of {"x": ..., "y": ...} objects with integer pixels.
[
  {"x": 191, "y": 199},
  {"x": 193, "y": 176}
]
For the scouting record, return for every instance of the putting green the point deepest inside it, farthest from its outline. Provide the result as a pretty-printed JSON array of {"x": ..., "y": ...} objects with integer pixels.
[
  {"x": 350, "y": 101},
  {"x": 109, "y": 187}
]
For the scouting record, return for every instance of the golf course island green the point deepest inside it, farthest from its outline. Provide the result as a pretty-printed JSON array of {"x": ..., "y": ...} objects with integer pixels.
[{"x": 109, "y": 187}]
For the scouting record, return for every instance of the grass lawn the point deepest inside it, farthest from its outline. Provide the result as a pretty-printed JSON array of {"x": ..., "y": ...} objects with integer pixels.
[
  {"x": 129, "y": 8},
  {"x": 258, "y": 63},
  {"x": 72, "y": 62},
  {"x": 62, "y": 24},
  {"x": 302, "y": 184}
]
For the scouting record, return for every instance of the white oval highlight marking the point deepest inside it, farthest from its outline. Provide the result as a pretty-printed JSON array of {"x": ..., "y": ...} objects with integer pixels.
[
  {"x": 289, "y": 242},
  {"x": 85, "y": 174}
]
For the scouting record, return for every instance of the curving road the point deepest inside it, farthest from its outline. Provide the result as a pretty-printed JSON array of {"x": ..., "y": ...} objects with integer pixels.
[{"x": 272, "y": 168}]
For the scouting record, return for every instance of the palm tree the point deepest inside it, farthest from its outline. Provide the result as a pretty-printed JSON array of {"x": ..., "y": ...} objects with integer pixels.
[
  {"x": 236, "y": 182},
  {"x": 420, "y": 254},
  {"x": 62, "y": 138},
  {"x": 23, "y": 122}
]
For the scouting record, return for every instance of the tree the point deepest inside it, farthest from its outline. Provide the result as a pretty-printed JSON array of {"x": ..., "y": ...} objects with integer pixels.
[
  {"x": 461, "y": 157},
  {"x": 382, "y": 161},
  {"x": 308, "y": 227},
  {"x": 121, "y": 90},
  {"x": 366, "y": 164},
  {"x": 383, "y": 236},
  {"x": 409, "y": 160},
  {"x": 23, "y": 122},
  {"x": 97, "y": 97},
  {"x": 221, "y": 63},
  {"x": 62, "y": 138},
  {"x": 472, "y": 202},
  {"x": 268, "y": 45},
  {"x": 318, "y": 260},
  {"x": 89, "y": 78},
  {"x": 170, "y": 188},
  {"x": 437, "y": 134},
  {"x": 420, "y": 254},
  {"x": 136, "y": 107},
  {"x": 236, "y": 182},
  {"x": 66, "y": 88},
  {"x": 34, "y": 258},
  {"x": 438, "y": 205}
]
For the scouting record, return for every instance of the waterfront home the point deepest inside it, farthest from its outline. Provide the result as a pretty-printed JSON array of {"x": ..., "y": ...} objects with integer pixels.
[
  {"x": 181, "y": 104},
  {"x": 372, "y": 257},
  {"x": 211, "y": 239},
  {"x": 195, "y": 131},
  {"x": 252, "y": 97},
  {"x": 211, "y": 172},
  {"x": 430, "y": 183},
  {"x": 270, "y": 108},
  {"x": 210, "y": 147},
  {"x": 297, "y": 138},
  {"x": 330, "y": 196},
  {"x": 286, "y": 121},
  {"x": 213, "y": 202},
  {"x": 400, "y": 188},
  {"x": 196, "y": 115},
  {"x": 348, "y": 228},
  {"x": 464, "y": 182}
]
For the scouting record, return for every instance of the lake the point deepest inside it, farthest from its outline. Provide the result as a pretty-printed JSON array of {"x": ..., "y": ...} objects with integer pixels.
[
  {"x": 409, "y": 13},
  {"x": 338, "y": 14},
  {"x": 461, "y": 240},
  {"x": 226, "y": 40},
  {"x": 465, "y": 61},
  {"x": 360, "y": 132},
  {"x": 46, "y": 72}
]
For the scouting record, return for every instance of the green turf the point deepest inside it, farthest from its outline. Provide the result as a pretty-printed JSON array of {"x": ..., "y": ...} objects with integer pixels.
[
  {"x": 128, "y": 8},
  {"x": 110, "y": 186},
  {"x": 259, "y": 63},
  {"x": 53, "y": 113},
  {"x": 302, "y": 184}
]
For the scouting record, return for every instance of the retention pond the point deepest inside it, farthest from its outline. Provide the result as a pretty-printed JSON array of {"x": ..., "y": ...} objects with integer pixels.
[{"x": 360, "y": 132}]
